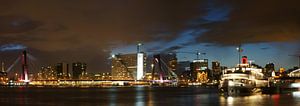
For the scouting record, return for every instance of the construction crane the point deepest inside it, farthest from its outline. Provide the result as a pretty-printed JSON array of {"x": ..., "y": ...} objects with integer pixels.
[{"x": 298, "y": 59}]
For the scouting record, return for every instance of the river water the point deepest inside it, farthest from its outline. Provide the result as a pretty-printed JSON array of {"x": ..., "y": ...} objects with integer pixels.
[{"x": 139, "y": 96}]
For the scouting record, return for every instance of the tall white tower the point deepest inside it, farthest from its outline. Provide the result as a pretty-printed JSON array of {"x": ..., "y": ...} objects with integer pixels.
[{"x": 140, "y": 63}]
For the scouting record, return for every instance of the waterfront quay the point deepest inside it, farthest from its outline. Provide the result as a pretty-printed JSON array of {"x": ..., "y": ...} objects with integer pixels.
[
  {"x": 274, "y": 85},
  {"x": 79, "y": 83}
]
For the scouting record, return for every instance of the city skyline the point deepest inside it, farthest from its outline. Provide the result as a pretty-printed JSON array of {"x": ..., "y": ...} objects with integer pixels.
[
  {"x": 60, "y": 31},
  {"x": 150, "y": 52}
]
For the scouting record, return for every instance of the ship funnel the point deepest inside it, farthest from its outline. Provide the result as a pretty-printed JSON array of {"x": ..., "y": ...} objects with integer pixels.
[{"x": 244, "y": 60}]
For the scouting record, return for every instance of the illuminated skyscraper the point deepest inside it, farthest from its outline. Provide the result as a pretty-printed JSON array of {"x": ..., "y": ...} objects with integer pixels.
[
  {"x": 47, "y": 73},
  {"x": 124, "y": 66},
  {"x": 3, "y": 74},
  {"x": 140, "y": 66},
  {"x": 62, "y": 70},
  {"x": 199, "y": 70}
]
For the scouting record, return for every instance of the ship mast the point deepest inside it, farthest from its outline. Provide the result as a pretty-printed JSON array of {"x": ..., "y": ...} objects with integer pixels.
[{"x": 240, "y": 50}]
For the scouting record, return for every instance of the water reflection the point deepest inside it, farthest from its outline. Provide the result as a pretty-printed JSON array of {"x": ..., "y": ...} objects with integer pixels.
[
  {"x": 113, "y": 97},
  {"x": 150, "y": 101},
  {"x": 139, "y": 96},
  {"x": 290, "y": 99},
  {"x": 230, "y": 100}
]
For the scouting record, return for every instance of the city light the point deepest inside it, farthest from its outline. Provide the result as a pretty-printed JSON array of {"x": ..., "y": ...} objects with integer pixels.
[
  {"x": 149, "y": 52},
  {"x": 140, "y": 66}
]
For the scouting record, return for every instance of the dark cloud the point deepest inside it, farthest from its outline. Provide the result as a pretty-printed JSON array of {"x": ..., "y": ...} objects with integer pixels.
[
  {"x": 95, "y": 22},
  {"x": 17, "y": 24},
  {"x": 60, "y": 30},
  {"x": 256, "y": 21},
  {"x": 173, "y": 48},
  {"x": 83, "y": 30}
]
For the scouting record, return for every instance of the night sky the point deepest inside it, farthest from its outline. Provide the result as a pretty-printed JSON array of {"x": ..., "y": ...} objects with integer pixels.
[{"x": 91, "y": 30}]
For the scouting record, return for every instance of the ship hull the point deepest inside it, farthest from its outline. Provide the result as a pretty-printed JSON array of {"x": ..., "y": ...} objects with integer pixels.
[
  {"x": 235, "y": 90},
  {"x": 237, "y": 84}
]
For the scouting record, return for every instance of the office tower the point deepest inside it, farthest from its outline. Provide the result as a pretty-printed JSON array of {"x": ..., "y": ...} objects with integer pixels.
[
  {"x": 216, "y": 70},
  {"x": 62, "y": 70},
  {"x": 199, "y": 70},
  {"x": 126, "y": 66},
  {"x": 79, "y": 70}
]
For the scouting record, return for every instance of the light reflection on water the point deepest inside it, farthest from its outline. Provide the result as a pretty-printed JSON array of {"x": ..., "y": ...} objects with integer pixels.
[
  {"x": 262, "y": 100},
  {"x": 139, "y": 96}
]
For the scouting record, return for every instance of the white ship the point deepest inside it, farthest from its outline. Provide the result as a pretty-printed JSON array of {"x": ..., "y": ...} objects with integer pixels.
[{"x": 241, "y": 79}]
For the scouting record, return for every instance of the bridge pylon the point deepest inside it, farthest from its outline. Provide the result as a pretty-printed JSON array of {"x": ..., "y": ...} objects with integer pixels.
[{"x": 24, "y": 76}]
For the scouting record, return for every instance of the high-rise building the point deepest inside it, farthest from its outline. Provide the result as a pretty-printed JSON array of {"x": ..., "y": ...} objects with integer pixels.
[
  {"x": 182, "y": 66},
  {"x": 3, "y": 74},
  {"x": 140, "y": 67},
  {"x": 269, "y": 68},
  {"x": 47, "y": 73},
  {"x": 183, "y": 71},
  {"x": 62, "y": 70},
  {"x": 79, "y": 70},
  {"x": 199, "y": 70},
  {"x": 123, "y": 66},
  {"x": 126, "y": 66},
  {"x": 216, "y": 70}
]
